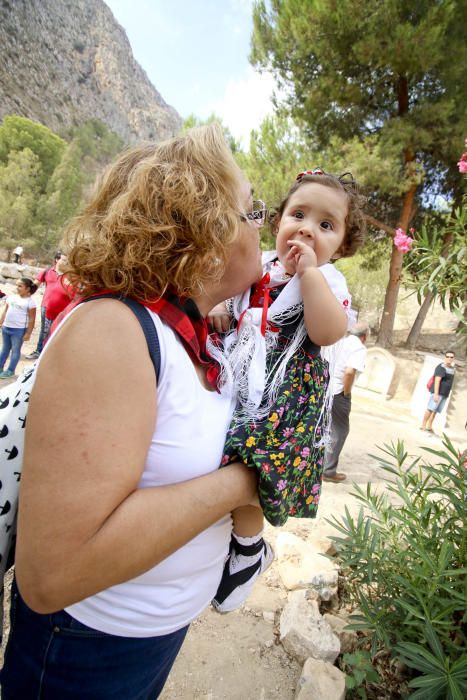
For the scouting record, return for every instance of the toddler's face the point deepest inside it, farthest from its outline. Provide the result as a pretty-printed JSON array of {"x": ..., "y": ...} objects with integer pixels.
[{"x": 315, "y": 215}]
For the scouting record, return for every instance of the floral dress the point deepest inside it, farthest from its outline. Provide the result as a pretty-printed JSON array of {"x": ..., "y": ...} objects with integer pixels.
[{"x": 284, "y": 448}]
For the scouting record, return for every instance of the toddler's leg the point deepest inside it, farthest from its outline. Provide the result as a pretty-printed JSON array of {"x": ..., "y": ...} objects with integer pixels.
[{"x": 249, "y": 557}]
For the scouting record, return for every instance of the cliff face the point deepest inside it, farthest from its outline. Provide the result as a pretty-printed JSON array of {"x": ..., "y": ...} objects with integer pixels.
[{"x": 65, "y": 61}]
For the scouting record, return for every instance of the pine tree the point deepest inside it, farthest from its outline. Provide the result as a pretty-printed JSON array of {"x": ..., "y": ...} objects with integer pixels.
[{"x": 391, "y": 74}]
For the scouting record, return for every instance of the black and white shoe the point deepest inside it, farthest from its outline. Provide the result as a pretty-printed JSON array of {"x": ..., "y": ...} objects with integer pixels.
[{"x": 243, "y": 566}]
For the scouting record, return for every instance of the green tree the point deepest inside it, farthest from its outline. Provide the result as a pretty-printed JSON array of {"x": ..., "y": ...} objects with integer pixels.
[
  {"x": 380, "y": 77},
  {"x": 437, "y": 266},
  {"x": 18, "y": 196},
  {"x": 96, "y": 141},
  {"x": 62, "y": 198},
  {"x": 18, "y": 133}
]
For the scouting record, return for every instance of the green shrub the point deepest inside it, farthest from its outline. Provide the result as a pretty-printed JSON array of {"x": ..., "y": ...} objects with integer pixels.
[{"x": 404, "y": 564}]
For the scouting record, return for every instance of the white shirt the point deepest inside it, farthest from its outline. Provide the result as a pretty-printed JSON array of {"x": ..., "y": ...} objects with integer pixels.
[
  {"x": 352, "y": 354},
  {"x": 188, "y": 441},
  {"x": 17, "y": 315}
]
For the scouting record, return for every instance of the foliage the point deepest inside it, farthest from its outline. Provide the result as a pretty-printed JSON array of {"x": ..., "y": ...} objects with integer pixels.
[
  {"x": 371, "y": 78},
  {"x": 345, "y": 64},
  {"x": 43, "y": 178},
  {"x": 359, "y": 671},
  {"x": 438, "y": 262},
  {"x": 19, "y": 190},
  {"x": 18, "y": 133},
  {"x": 404, "y": 560},
  {"x": 366, "y": 274},
  {"x": 96, "y": 141}
]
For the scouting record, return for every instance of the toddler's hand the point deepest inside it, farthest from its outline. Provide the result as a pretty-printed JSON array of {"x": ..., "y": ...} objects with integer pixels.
[
  {"x": 301, "y": 256},
  {"x": 219, "y": 318}
]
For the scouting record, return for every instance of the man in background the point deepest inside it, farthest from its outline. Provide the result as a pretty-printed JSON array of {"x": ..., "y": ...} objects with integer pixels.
[
  {"x": 439, "y": 390},
  {"x": 17, "y": 253},
  {"x": 349, "y": 364},
  {"x": 56, "y": 297}
]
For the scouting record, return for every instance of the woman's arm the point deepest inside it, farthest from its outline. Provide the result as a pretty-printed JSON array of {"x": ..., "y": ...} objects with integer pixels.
[
  {"x": 83, "y": 524},
  {"x": 31, "y": 322}
]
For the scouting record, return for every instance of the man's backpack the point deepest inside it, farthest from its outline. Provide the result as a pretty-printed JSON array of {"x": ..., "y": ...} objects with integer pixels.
[
  {"x": 430, "y": 383},
  {"x": 14, "y": 400}
]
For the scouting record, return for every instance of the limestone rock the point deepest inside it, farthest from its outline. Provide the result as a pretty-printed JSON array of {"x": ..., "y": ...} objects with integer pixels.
[
  {"x": 347, "y": 638},
  {"x": 304, "y": 632},
  {"x": 300, "y": 566},
  {"x": 79, "y": 57},
  {"x": 320, "y": 681}
]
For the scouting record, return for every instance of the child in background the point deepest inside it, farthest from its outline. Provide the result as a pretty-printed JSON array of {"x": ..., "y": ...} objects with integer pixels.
[
  {"x": 17, "y": 321},
  {"x": 300, "y": 304}
]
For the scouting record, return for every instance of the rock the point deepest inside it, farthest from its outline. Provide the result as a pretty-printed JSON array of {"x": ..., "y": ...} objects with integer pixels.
[
  {"x": 347, "y": 638},
  {"x": 79, "y": 57},
  {"x": 304, "y": 632},
  {"x": 320, "y": 681},
  {"x": 300, "y": 566},
  {"x": 268, "y": 616},
  {"x": 11, "y": 271}
]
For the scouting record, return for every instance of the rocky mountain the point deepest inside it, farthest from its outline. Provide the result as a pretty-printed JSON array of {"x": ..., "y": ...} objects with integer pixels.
[{"x": 65, "y": 61}]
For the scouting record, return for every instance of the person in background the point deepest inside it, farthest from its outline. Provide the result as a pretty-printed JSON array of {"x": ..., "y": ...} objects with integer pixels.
[
  {"x": 17, "y": 253},
  {"x": 349, "y": 364},
  {"x": 439, "y": 390},
  {"x": 56, "y": 297},
  {"x": 17, "y": 320}
]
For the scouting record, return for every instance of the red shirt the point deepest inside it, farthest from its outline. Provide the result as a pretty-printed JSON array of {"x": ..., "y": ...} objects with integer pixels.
[
  {"x": 49, "y": 276},
  {"x": 60, "y": 295},
  {"x": 56, "y": 296}
]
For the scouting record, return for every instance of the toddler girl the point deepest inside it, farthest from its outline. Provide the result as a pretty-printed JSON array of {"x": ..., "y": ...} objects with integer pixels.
[{"x": 300, "y": 304}]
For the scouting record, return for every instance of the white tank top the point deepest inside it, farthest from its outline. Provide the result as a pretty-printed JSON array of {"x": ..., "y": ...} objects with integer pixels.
[{"x": 187, "y": 442}]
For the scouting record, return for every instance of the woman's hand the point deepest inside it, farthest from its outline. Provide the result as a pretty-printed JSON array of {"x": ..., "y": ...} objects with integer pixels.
[{"x": 219, "y": 318}]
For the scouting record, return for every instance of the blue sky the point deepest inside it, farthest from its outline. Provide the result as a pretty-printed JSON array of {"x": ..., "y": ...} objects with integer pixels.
[{"x": 195, "y": 52}]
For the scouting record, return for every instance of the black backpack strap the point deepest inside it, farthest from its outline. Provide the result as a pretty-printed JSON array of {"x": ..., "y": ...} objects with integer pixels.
[{"x": 146, "y": 322}]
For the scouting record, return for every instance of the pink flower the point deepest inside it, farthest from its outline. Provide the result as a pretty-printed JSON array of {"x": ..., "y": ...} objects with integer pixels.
[
  {"x": 462, "y": 164},
  {"x": 402, "y": 241},
  {"x": 281, "y": 485}
]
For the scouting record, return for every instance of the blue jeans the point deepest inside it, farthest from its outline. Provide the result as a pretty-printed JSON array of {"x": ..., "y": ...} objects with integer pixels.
[
  {"x": 12, "y": 342},
  {"x": 46, "y": 324},
  {"x": 55, "y": 657}
]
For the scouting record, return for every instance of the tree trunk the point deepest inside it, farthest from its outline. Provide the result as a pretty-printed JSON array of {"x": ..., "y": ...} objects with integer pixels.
[
  {"x": 412, "y": 338},
  {"x": 395, "y": 269}
]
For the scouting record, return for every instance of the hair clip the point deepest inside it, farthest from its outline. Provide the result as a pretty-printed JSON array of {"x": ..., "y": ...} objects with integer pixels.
[
  {"x": 316, "y": 171},
  {"x": 344, "y": 179}
]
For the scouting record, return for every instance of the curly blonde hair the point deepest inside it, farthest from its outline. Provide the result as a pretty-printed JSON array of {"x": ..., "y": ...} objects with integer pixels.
[
  {"x": 163, "y": 214},
  {"x": 355, "y": 222}
]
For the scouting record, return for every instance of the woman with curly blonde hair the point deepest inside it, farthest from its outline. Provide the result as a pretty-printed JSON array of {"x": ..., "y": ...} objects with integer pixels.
[{"x": 124, "y": 518}]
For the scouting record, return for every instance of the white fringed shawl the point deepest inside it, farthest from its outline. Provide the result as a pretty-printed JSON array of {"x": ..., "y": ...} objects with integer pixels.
[{"x": 243, "y": 359}]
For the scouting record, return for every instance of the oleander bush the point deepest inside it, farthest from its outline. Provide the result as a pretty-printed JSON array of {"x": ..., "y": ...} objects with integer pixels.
[{"x": 403, "y": 560}]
